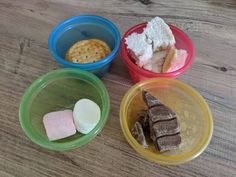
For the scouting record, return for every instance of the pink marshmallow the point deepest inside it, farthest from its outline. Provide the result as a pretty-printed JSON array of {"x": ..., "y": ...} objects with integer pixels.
[
  {"x": 179, "y": 61},
  {"x": 59, "y": 124}
]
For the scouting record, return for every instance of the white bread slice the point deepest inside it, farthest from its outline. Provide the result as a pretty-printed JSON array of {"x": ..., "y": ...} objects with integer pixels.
[
  {"x": 159, "y": 33},
  {"x": 140, "y": 47}
]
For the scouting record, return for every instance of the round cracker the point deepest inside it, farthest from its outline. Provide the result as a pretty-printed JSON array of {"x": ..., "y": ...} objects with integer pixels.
[{"x": 87, "y": 51}]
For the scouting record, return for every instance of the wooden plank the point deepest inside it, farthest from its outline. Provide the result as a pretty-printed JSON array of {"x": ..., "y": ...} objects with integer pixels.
[{"x": 24, "y": 55}]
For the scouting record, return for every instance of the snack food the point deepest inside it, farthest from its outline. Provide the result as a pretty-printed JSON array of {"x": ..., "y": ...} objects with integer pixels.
[
  {"x": 172, "y": 53},
  {"x": 138, "y": 134},
  {"x": 166, "y": 143},
  {"x": 59, "y": 124},
  {"x": 159, "y": 33},
  {"x": 86, "y": 115},
  {"x": 144, "y": 121},
  {"x": 174, "y": 62},
  {"x": 62, "y": 124},
  {"x": 156, "y": 62},
  {"x": 87, "y": 51},
  {"x": 141, "y": 48},
  {"x": 163, "y": 127},
  {"x": 153, "y": 48}
]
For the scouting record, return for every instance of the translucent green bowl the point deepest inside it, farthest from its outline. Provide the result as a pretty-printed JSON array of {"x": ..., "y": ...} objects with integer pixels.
[{"x": 59, "y": 90}]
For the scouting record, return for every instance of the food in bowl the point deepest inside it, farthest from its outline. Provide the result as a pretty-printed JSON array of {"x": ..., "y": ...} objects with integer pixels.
[
  {"x": 84, "y": 27},
  {"x": 158, "y": 125},
  {"x": 86, "y": 115},
  {"x": 59, "y": 124},
  {"x": 59, "y": 90},
  {"x": 62, "y": 124},
  {"x": 87, "y": 51},
  {"x": 194, "y": 116},
  {"x": 154, "y": 48}
]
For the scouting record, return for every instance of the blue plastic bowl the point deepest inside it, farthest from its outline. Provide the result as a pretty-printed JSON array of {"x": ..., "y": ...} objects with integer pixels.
[{"x": 77, "y": 28}]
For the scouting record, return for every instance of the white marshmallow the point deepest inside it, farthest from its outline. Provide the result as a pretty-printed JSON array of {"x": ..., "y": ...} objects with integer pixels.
[{"x": 86, "y": 115}]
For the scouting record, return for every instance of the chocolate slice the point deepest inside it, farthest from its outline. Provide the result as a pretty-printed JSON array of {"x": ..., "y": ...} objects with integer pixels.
[
  {"x": 138, "y": 134},
  {"x": 144, "y": 120},
  {"x": 163, "y": 124},
  {"x": 161, "y": 112},
  {"x": 166, "y": 128},
  {"x": 168, "y": 142},
  {"x": 150, "y": 100}
]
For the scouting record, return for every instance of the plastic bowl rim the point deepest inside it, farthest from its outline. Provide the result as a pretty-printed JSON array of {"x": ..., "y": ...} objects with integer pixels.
[
  {"x": 158, "y": 158},
  {"x": 86, "y": 66},
  {"x": 37, "y": 86},
  {"x": 125, "y": 57}
]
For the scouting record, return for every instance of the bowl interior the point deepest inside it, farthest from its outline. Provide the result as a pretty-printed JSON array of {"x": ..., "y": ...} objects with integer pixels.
[
  {"x": 56, "y": 91},
  {"x": 78, "y": 29},
  {"x": 192, "y": 111}
]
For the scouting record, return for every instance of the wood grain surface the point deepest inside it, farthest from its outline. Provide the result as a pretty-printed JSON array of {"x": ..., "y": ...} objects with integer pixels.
[{"x": 24, "y": 29}]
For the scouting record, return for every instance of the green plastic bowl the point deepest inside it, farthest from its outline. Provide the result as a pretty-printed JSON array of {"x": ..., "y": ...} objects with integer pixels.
[{"x": 58, "y": 90}]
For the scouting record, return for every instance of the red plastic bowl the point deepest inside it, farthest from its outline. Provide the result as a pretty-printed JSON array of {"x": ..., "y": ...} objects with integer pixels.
[{"x": 137, "y": 73}]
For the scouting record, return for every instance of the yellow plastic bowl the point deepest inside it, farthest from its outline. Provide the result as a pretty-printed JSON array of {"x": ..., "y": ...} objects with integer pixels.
[{"x": 194, "y": 116}]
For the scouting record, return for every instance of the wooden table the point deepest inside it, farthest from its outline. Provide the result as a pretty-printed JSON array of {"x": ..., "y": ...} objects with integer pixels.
[{"x": 24, "y": 55}]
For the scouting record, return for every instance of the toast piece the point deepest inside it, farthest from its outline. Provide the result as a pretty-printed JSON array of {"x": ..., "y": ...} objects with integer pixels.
[
  {"x": 87, "y": 51},
  {"x": 175, "y": 61},
  {"x": 141, "y": 48},
  {"x": 159, "y": 33},
  {"x": 156, "y": 62},
  {"x": 172, "y": 54},
  {"x": 145, "y": 47}
]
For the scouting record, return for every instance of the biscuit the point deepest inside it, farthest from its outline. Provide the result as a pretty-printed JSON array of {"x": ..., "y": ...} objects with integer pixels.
[
  {"x": 168, "y": 60},
  {"x": 87, "y": 51}
]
